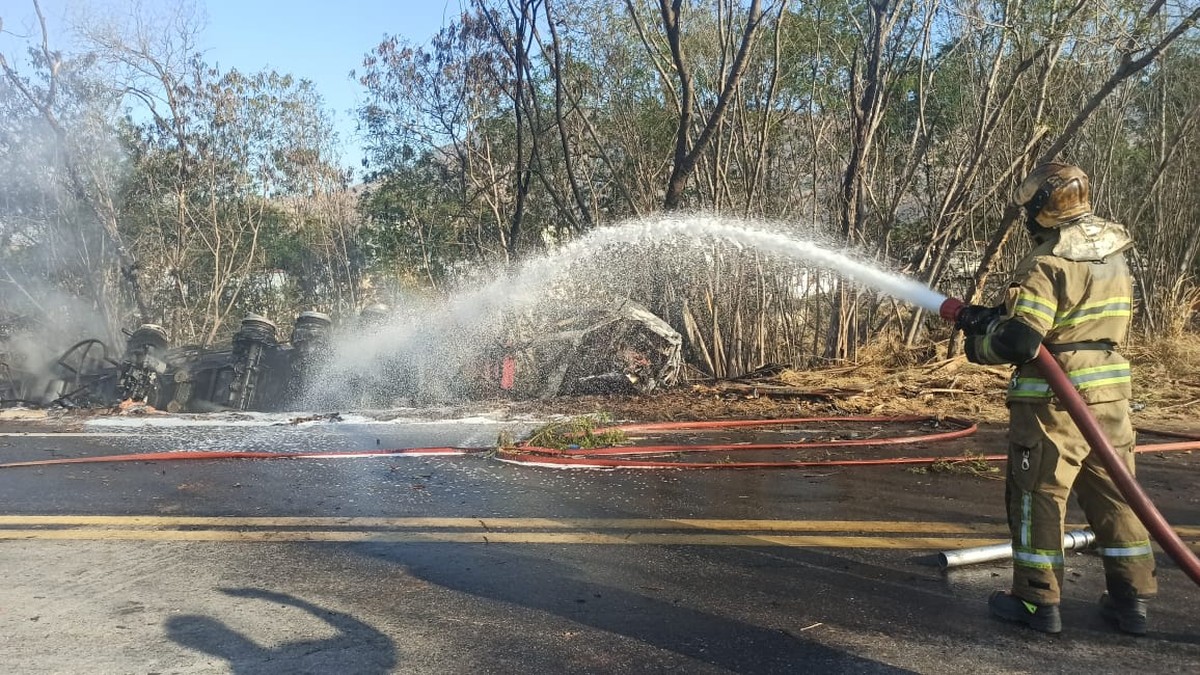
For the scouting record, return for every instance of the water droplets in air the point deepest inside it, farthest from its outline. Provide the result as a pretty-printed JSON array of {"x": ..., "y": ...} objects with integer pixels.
[{"x": 425, "y": 344}]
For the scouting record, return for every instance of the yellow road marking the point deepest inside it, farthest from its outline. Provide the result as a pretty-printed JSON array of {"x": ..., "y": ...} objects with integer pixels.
[
  {"x": 891, "y": 534},
  {"x": 514, "y": 523},
  {"x": 633, "y": 538}
]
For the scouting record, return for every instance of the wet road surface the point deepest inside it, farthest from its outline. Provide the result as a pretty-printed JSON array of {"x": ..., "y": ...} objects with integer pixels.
[{"x": 470, "y": 565}]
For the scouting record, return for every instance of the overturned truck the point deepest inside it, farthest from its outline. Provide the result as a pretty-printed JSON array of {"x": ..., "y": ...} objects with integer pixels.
[
  {"x": 620, "y": 349},
  {"x": 255, "y": 372}
]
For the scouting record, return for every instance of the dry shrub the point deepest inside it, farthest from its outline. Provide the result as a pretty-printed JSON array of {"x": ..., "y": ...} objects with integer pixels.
[
  {"x": 1172, "y": 357},
  {"x": 946, "y": 387},
  {"x": 1175, "y": 308},
  {"x": 586, "y": 431},
  {"x": 1166, "y": 378},
  {"x": 1166, "y": 375},
  {"x": 888, "y": 351}
]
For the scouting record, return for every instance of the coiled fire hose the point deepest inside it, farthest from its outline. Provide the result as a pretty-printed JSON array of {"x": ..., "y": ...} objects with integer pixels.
[
  {"x": 666, "y": 456},
  {"x": 1092, "y": 433}
]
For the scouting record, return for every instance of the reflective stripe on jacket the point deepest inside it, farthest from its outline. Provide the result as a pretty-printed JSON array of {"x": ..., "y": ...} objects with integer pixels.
[{"x": 1069, "y": 301}]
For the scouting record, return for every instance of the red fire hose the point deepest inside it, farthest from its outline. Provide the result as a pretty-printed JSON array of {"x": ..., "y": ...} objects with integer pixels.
[
  {"x": 670, "y": 455},
  {"x": 662, "y": 456},
  {"x": 1090, "y": 428},
  {"x": 238, "y": 454}
]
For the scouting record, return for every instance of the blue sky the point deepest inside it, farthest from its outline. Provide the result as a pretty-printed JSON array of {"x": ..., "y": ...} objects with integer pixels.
[{"x": 318, "y": 40}]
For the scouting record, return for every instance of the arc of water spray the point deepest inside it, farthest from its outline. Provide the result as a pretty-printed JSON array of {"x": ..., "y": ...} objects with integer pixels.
[
  {"x": 535, "y": 274},
  {"x": 462, "y": 320},
  {"x": 751, "y": 234}
]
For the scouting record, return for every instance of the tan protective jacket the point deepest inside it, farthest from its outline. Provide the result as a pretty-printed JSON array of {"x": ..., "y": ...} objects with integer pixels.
[{"x": 1076, "y": 291}]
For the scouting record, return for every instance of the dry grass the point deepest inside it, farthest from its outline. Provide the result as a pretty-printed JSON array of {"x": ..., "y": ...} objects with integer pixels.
[
  {"x": 953, "y": 387},
  {"x": 890, "y": 380},
  {"x": 1173, "y": 357},
  {"x": 948, "y": 387},
  {"x": 1166, "y": 378},
  {"x": 969, "y": 463},
  {"x": 889, "y": 352}
]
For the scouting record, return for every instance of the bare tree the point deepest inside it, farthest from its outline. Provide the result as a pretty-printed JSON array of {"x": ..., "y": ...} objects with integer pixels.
[
  {"x": 1147, "y": 50},
  {"x": 80, "y": 181},
  {"x": 688, "y": 149}
]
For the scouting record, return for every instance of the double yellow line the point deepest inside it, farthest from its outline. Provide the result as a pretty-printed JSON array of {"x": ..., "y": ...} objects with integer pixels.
[
  {"x": 864, "y": 534},
  {"x": 630, "y": 531}
]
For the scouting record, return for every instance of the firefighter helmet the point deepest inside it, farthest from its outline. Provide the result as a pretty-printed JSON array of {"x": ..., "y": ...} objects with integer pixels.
[{"x": 1054, "y": 194}]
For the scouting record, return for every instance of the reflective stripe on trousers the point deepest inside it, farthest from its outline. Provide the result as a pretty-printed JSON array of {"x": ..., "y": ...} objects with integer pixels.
[
  {"x": 1023, "y": 553},
  {"x": 1134, "y": 549},
  {"x": 1083, "y": 379}
]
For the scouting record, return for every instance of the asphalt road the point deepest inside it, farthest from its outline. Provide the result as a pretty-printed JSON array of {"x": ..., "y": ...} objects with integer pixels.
[{"x": 469, "y": 565}]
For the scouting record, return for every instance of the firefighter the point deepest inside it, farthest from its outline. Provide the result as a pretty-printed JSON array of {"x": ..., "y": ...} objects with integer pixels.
[{"x": 1073, "y": 293}]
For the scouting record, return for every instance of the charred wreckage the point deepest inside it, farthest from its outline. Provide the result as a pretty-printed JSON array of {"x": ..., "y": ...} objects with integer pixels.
[{"x": 623, "y": 348}]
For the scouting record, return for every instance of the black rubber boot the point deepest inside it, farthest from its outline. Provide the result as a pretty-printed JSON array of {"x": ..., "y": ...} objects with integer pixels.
[
  {"x": 1129, "y": 615},
  {"x": 1042, "y": 618}
]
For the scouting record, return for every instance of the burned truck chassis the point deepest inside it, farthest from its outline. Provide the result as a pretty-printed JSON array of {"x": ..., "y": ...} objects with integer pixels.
[
  {"x": 619, "y": 349},
  {"x": 255, "y": 373}
]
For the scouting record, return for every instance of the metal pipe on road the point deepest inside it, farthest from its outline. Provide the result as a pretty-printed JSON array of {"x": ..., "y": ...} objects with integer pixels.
[{"x": 1072, "y": 541}]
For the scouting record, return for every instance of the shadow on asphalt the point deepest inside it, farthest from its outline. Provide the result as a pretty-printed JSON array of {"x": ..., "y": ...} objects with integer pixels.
[
  {"x": 563, "y": 590},
  {"x": 923, "y": 607},
  {"x": 357, "y": 647}
]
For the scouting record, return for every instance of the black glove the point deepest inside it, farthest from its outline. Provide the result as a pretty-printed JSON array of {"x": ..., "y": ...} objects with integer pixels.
[{"x": 975, "y": 319}]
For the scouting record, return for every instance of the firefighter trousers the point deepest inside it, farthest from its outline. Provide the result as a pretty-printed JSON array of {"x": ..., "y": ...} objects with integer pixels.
[{"x": 1048, "y": 457}]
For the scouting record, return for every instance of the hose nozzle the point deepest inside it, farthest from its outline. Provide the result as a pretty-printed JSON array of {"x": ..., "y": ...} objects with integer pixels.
[{"x": 950, "y": 309}]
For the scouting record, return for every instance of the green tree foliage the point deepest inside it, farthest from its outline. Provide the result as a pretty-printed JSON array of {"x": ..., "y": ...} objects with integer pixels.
[
  {"x": 63, "y": 257},
  {"x": 225, "y": 207}
]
